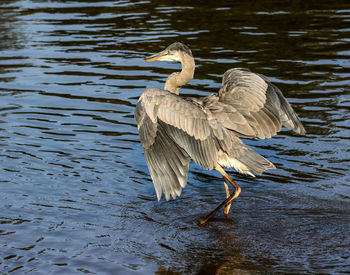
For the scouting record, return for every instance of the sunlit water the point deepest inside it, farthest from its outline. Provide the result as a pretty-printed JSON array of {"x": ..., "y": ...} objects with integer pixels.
[{"x": 75, "y": 192}]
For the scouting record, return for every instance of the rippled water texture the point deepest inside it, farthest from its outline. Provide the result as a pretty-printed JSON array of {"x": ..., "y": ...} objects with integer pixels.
[{"x": 75, "y": 192}]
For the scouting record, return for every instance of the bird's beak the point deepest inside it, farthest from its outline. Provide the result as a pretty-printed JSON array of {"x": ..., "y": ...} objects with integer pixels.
[{"x": 158, "y": 56}]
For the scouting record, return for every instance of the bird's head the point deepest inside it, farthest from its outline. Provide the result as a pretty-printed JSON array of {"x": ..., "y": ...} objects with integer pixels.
[{"x": 174, "y": 52}]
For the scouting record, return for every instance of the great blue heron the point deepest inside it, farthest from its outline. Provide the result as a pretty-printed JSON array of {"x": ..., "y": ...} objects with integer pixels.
[{"x": 173, "y": 130}]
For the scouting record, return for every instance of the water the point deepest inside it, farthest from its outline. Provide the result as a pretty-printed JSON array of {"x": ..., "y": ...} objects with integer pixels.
[{"x": 75, "y": 192}]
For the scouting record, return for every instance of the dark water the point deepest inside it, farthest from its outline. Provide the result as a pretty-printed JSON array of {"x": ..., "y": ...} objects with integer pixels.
[{"x": 75, "y": 192}]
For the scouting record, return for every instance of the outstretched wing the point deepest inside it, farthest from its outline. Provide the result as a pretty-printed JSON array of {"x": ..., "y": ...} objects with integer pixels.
[
  {"x": 260, "y": 102},
  {"x": 173, "y": 131}
]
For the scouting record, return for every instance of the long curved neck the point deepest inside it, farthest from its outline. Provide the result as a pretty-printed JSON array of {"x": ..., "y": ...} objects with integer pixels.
[{"x": 178, "y": 79}]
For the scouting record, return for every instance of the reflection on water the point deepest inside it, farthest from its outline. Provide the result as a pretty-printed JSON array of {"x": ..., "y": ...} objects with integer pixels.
[{"x": 75, "y": 191}]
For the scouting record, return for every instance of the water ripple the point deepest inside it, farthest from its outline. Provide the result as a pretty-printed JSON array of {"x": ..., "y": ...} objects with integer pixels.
[{"x": 75, "y": 191}]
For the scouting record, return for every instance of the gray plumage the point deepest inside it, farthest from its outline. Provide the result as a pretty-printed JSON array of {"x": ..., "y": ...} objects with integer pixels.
[
  {"x": 177, "y": 46},
  {"x": 173, "y": 130}
]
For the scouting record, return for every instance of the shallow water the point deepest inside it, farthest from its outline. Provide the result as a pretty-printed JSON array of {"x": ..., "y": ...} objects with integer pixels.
[{"x": 75, "y": 192}]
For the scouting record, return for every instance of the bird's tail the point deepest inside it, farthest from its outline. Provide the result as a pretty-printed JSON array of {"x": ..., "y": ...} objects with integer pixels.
[
  {"x": 244, "y": 159},
  {"x": 255, "y": 163}
]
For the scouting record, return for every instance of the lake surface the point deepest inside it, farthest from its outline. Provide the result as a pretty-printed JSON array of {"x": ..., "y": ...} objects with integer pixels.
[{"x": 75, "y": 191}]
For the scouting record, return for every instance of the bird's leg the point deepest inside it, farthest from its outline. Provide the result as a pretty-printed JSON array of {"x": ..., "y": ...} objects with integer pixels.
[
  {"x": 228, "y": 206},
  {"x": 226, "y": 202}
]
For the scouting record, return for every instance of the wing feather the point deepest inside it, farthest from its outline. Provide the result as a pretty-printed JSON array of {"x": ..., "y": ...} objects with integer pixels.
[
  {"x": 171, "y": 107},
  {"x": 173, "y": 131},
  {"x": 167, "y": 162},
  {"x": 260, "y": 102},
  {"x": 243, "y": 89}
]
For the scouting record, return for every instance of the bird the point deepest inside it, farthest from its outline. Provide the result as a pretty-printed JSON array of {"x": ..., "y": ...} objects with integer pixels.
[{"x": 174, "y": 130}]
